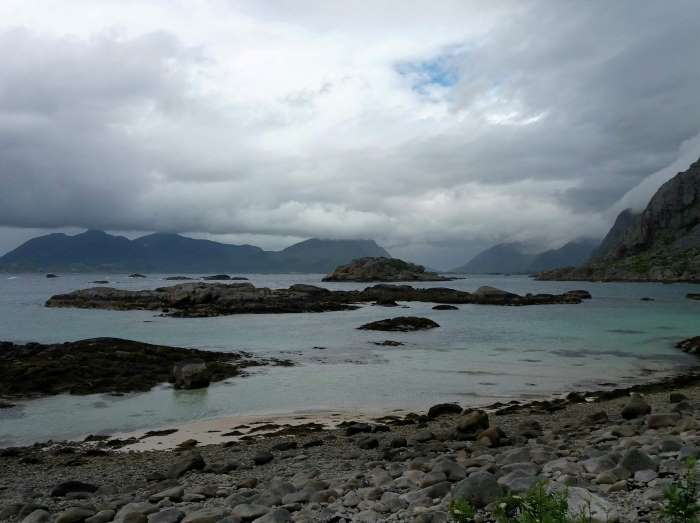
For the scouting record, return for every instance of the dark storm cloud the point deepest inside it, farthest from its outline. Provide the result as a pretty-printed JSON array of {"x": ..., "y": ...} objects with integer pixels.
[{"x": 527, "y": 121}]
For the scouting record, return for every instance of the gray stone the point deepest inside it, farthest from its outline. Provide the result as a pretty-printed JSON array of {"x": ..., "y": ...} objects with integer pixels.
[
  {"x": 207, "y": 515},
  {"x": 452, "y": 470},
  {"x": 635, "y": 460},
  {"x": 279, "y": 515},
  {"x": 74, "y": 515},
  {"x": 249, "y": 511},
  {"x": 169, "y": 515},
  {"x": 660, "y": 421},
  {"x": 636, "y": 407},
  {"x": 38, "y": 516},
  {"x": 189, "y": 461},
  {"x": 645, "y": 476},
  {"x": 103, "y": 516},
  {"x": 173, "y": 494},
  {"x": 480, "y": 489}
]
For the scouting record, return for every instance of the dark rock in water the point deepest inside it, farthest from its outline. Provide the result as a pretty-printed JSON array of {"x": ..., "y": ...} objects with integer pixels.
[
  {"x": 646, "y": 298},
  {"x": 191, "y": 375},
  {"x": 388, "y": 343},
  {"x": 401, "y": 324},
  {"x": 217, "y": 277},
  {"x": 444, "y": 307},
  {"x": 6, "y": 405},
  {"x": 443, "y": 408},
  {"x": 358, "y": 428},
  {"x": 50, "y": 275},
  {"x": 136, "y": 275},
  {"x": 104, "y": 365},
  {"x": 691, "y": 345},
  {"x": 693, "y": 296},
  {"x": 177, "y": 278},
  {"x": 636, "y": 407},
  {"x": 382, "y": 269},
  {"x": 386, "y": 303},
  {"x": 100, "y": 282},
  {"x": 199, "y": 299},
  {"x": 158, "y": 433},
  {"x": 66, "y": 487}
]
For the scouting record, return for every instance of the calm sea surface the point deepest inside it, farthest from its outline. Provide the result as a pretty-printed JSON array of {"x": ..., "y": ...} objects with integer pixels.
[{"x": 480, "y": 353}]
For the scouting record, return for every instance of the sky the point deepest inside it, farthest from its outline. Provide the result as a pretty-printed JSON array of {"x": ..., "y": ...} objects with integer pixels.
[{"x": 435, "y": 128}]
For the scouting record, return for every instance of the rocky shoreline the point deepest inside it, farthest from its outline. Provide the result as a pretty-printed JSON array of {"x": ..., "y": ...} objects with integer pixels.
[
  {"x": 616, "y": 451},
  {"x": 112, "y": 365},
  {"x": 216, "y": 299}
]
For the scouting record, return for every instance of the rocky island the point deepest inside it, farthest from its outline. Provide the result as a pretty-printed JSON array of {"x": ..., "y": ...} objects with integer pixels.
[
  {"x": 112, "y": 365},
  {"x": 382, "y": 269},
  {"x": 660, "y": 244},
  {"x": 198, "y": 299}
]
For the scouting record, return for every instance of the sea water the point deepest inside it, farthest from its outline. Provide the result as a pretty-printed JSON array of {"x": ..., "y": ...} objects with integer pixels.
[{"x": 479, "y": 354}]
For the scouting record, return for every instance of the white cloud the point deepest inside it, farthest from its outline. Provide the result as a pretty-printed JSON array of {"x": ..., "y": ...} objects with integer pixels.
[{"x": 415, "y": 123}]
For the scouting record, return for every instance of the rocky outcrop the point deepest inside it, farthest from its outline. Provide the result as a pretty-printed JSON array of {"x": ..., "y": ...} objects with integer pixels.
[
  {"x": 382, "y": 269},
  {"x": 197, "y": 299},
  {"x": 400, "y": 324},
  {"x": 103, "y": 365},
  {"x": 660, "y": 244}
]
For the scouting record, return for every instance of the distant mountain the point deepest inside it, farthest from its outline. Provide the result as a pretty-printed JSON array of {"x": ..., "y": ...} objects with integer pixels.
[
  {"x": 515, "y": 258},
  {"x": 170, "y": 253},
  {"x": 316, "y": 255},
  {"x": 660, "y": 244},
  {"x": 499, "y": 259},
  {"x": 571, "y": 254}
]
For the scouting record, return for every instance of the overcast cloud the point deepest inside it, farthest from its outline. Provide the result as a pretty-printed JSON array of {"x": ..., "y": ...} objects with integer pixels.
[{"x": 422, "y": 125}]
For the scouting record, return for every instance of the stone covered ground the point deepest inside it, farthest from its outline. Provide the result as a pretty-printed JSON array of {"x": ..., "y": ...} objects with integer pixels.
[{"x": 394, "y": 470}]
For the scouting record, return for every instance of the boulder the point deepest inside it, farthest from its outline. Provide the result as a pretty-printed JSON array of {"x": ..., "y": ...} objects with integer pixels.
[
  {"x": 169, "y": 515},
  {"x": 191, "y": 375},
  {"x": 444, "y": 408},
  {"x": 38, "y": 516},
  {"x": 74, "y": 515},
  {"x": 263, "y": 457},
  {"x": 187, "y": 462},
  {"x": 67, "y": 487},
  {"x": 660, "y": 421},
  {"x": 479, "y": 489},
  {"x": 636, "y": 407},
  {"x": 635, "y": 460},
  {"x": 473, "y": 422}
]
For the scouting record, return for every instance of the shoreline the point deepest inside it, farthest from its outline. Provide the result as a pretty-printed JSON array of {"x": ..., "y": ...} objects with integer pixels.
[
  {"x": 397, "y": 468},
  {"x": 218, "y": 430}
]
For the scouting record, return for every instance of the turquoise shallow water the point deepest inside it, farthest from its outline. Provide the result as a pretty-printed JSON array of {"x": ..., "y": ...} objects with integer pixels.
[{"x": 479, "y": 354}]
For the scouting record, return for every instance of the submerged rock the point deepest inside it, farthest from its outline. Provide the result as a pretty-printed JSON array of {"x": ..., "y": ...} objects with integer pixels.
[
  {"x": 445, "y": 307},
  {"x": 103, "y": 365},
  {"x": 401, "y": 324}
]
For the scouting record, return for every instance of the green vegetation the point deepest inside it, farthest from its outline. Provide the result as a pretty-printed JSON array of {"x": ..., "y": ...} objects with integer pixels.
[
  {"x": 462, "y": 511},
  {"x": 681, "y": 498},
  {"x": 539, "y": 505}
]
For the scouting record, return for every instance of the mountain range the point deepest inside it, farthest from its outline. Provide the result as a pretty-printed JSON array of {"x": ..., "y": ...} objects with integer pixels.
[
  {"x": 662, "y": 243},
  {"x": 518, "y": 258},
  {"x": 98, "y": 251}
]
